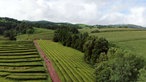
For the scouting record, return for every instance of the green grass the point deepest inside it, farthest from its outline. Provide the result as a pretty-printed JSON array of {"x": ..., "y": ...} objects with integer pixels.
[
  {"x": 3, "y": 38},
  {"x": 20, "y": 62},
  {"x": 122, "y": 36},
  {"x": 5, "y": 80},
  {"x": 133, "y": 41},
  {"x": 89, "y": 30},
  {"x": 68, "y": 62},
  {"x": 39, "y": 33},
  {"x": 138, "y": 47}
]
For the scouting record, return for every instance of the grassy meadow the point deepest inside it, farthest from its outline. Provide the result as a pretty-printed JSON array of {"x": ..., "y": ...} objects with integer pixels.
[
  {"x": 131, "y": 39},
  {"x": 39, "y": 33},
  {"x": 68, "y": 62},
  {"x": 89, "y": 30}
]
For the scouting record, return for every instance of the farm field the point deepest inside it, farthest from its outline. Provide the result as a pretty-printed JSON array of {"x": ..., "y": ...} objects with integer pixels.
[
  {"x": 122, "y": 36},
  {"x": 68, "y": 62},
  {"x": 39, "y": 33},
  {"x": 89, "y": 30},
  {"x": 137, "y": 47},
  {"x": 20, "y": 62},
  {"x": 132, "y": 40}
]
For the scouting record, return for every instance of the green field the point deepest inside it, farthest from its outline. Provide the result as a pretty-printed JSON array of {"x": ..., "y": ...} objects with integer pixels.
[
  {"x": 20, "y": 62},
  {"x": 89, "y": 30},
  {"x": 122, "y": 36},
  {"x": 38, "y": 34},
  {"x": 68, "y": 62},
  {"x": 130, "y": 39}
]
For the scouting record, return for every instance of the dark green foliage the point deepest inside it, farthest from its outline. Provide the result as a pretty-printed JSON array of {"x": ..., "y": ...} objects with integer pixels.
[
  {"x": 121, "y": 66},
  {"x": 63, "y": 34},
  {"x": 94, "y": 47},
  {"x": 142, "y": 75},
  {"x": 7, "y": 24},
  {"x": 11, "y": 28},
  {"x": 24, "y": 28},
  {"x": 88, "y": 47},
  {"x": 51, "y": 25},
  {"x": 91, "y": 45},
  {"x": 70, "y": 37},
  {"x": 11, "y": 34}
]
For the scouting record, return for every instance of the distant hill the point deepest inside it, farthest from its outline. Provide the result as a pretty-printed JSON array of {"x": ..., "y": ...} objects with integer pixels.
[
  {"x": 55, "y": 25},
  {"x": 119, "y": 26},
  {"x": 11, "y": 28},
  {"x": 50, "y": 25}
]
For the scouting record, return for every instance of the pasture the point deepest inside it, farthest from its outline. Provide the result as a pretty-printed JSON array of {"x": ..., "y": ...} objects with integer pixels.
[
  {"x": 39, "y": 33},
  {"x": 20, "y": 62},
  {"x": 89, "y": 30},
  {"x": 68, "y": 62},
  {"x": 131, "y": 39}
]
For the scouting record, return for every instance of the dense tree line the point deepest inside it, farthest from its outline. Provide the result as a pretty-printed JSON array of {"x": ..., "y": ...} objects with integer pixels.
[
  {"x": 10, "y": 28},
  {"x": 90, "y": 45},
  {"x": 51, "y": 25},
  {"x": 9, "y": 25}
]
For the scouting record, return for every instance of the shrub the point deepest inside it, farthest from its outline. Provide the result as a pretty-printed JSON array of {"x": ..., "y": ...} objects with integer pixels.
[
  {"x": 142, "y": 75},
  {"x": 95, "y": 31},
  {"x": 121, "y": 66}
]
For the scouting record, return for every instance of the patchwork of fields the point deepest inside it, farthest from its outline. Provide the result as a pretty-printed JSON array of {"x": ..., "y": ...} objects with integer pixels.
[
  {"x": 20, "y": 61},
  {"x": 68, "y": 62}
]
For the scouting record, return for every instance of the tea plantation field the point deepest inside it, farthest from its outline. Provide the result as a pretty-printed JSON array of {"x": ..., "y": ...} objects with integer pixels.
[
  {"x": 20, "y": 62},
  {"x": 68, "y": 62}
]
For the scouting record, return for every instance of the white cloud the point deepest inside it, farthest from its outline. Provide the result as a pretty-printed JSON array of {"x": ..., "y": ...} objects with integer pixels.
[
  {"x": 77, "y": 11},
  {"x": 137, "y": 16}
]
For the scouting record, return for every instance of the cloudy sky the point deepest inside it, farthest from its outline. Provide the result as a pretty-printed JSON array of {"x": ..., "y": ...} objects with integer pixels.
[{"x": 77, "y": 11}]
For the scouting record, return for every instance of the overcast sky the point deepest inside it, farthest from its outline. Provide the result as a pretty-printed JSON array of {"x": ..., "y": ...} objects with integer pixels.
[{"x": 77, "y": 11}]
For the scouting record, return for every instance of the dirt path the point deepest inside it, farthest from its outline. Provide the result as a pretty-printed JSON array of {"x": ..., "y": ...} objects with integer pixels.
[{"x": 54, "y": 76}]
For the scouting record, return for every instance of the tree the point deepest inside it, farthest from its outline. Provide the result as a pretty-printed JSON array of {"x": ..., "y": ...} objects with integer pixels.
[
  {"x": 93, "y": 47},
  {"x": 11, "y": 34},
  {"x": 88, "y": 47},
  {"x": 121, "y": 66}
]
